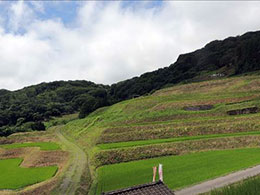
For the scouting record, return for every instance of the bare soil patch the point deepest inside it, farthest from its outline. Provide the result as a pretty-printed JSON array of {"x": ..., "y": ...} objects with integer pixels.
[
  {"x": 45, "y": 158},
  {"x": 15, "y": 153},
  {"x": 33, "y": 157},
  {"x": 37, "y": 136}
]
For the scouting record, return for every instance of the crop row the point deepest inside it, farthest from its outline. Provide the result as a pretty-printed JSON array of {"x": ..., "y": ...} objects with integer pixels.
[
  {"x": 171, "y": 132},
  {"x": 189, "y": 123},
  {"x": 106, "y": 157}
]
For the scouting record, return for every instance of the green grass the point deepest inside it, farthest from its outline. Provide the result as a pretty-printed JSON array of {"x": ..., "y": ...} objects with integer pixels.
[
  {"x": 42, "y": 145},
  {"x": 14, "y": 177},
  {"x": 179, "y": 171},
  {"x": 166, "y": 107},
  {"x": 248, "y": 186},
  {"x": 60, "y": 120},
  {"x": 109, "y": 146}
]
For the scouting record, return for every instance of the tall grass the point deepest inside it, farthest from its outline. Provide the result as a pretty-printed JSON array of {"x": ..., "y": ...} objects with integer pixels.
[{"x": 250, "y": 186}]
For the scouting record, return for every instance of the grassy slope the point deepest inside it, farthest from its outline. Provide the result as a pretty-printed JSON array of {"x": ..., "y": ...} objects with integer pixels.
[
  {"x": 160, "y": 117},
  {"x": 41, "y": 145},
  {"x": 179, "y": 171},
  {"x": 14, "y": 177},
  {"x": 248, "y": 186}
]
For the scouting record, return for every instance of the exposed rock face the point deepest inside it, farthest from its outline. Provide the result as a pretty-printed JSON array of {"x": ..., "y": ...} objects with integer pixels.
[
  {"x": 198, "y": 107},
  {"x": 250, "y": 110}
]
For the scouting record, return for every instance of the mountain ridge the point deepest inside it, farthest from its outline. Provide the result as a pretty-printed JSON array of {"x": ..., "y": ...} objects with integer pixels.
[{"x": 20, "y": 109}]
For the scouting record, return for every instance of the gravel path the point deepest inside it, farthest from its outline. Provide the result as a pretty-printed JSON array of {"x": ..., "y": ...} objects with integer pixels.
[
  {"x": 71, "y": 179},
  {"x": 219, "y": 182}
]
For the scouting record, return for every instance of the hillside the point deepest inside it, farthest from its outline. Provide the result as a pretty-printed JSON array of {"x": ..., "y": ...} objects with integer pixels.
[
  {"x": 198, "y": 131},
  {"x": 229, "y": 57},
  {"x": 188, "y": 122},
  {"x": 25, "y": 109}
]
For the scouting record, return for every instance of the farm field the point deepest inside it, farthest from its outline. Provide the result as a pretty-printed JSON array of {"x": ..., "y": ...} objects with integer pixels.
[
  {"x": 170, "y": 122},
  {"x": 41, "y": 145},
  {"x": 160, "y": 141},
  {"x": 11, "y": 174},
  {"x": 179, "y": 171},
  {"x": 164, "y": 127},
  {"x": 36, "y": 157}
]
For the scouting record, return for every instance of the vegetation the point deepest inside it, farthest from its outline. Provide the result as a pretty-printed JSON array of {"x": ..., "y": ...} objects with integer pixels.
[
  {"x": 41, "y": 145},
  {"x": 232, "y": 56},
  {"x": 11, "y": 174},
  {"x": 248, "y": 186},
  {"x": 169, "y": 140},
  {"x": 158, "y": 125},
  {"x": 113, "y": 156},
  {"x": 25, "y": 109},
  {"x": 179, "y": 171},
  {"x": 60, "y": 120}
]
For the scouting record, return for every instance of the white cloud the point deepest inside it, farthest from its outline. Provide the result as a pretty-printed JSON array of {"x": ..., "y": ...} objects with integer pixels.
[
  {"x": 20, "y": 15},
  {"x": 108, "y": 43}
]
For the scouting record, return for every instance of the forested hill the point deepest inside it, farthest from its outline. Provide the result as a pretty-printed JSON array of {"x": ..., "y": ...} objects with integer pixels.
[
  {"x": 25, "y": 109},
  {"x": 232, "y": 56}
]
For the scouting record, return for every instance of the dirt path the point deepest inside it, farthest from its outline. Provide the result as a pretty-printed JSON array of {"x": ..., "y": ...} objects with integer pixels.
[
  {"x": 219, "y": 182},
  {"x": 71, "y": 179}
]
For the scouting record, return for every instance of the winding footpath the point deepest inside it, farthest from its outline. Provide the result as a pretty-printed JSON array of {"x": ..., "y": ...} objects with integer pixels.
[
  {"x": 72, "y": 176},
  {"x": 219, "y": 182}
]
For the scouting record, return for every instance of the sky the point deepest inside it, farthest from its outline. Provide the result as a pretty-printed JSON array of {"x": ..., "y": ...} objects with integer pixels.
[{"x": 110, "y": 41}]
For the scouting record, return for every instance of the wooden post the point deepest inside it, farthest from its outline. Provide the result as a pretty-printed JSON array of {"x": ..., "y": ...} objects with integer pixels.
[{"x": 154, "y": 173}]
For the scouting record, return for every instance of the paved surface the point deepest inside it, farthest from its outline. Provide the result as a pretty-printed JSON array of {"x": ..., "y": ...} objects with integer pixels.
[
  {"x": 71, "y": 178},
  {"x": 219, "y": 182}
]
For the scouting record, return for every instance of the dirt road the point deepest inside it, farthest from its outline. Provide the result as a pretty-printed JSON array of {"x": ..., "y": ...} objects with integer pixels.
[
  {"x": 71, "y": 179},
  {"x": 219, "y": 182}
]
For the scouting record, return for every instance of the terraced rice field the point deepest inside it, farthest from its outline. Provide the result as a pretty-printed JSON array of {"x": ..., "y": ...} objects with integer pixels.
[
  {"x": 12, "y": 176},
  {"x": 27, "y": 163},
  {"x": 179, "y": 171},
  {"x": 160, "y": 124},
  {"x": 41, "y": 145}
]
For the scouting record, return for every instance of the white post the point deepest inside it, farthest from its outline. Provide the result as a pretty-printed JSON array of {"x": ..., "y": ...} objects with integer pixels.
[{"x": 160, "y": 172}]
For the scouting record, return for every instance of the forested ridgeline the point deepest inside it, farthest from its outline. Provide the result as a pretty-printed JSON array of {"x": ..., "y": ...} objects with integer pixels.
[{"x": 26, "y": 109}]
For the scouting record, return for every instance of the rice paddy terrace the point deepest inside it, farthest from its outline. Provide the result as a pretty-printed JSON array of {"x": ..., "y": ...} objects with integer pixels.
[
  {"x": 198, "y": 131},
  {"x": 192, "y": 129},
  {"x": 30, "y": 163}
]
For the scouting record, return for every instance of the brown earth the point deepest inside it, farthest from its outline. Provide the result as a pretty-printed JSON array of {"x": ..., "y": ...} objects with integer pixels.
[{"x": 34, "y": 157}]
